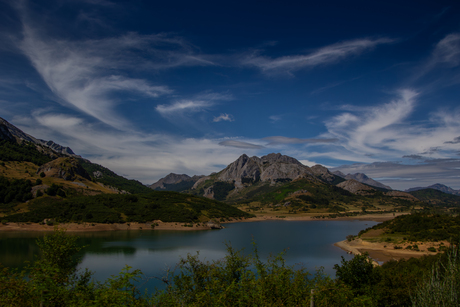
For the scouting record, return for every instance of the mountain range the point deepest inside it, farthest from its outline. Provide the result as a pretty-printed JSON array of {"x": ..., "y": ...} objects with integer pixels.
[{"x": 271, "y": 179}]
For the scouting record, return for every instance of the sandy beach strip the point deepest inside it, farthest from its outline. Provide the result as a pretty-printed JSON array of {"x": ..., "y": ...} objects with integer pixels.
[{"x": 379, "y": 251}]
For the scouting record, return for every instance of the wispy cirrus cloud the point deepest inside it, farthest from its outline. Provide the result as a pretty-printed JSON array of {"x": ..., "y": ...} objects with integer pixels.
[
  {"x": 240, "y": 144},
  {"x": 386, "y": 131},
  {"x": 198, "y": 103},
  {"x": 327, "y": 55},
  {"x": 223, "y": 117},
  {"x": 183, "y": 106},
  {"x": 85, "y": 74},
  {"x": 277, "y": 140},
  {"x": 447, "y": 51}
]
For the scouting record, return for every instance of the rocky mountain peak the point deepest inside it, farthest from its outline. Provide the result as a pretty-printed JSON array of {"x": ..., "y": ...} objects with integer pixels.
[{"x": 271, "y": 167}]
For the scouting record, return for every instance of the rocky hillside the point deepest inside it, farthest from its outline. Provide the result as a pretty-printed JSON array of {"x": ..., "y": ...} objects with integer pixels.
[
  {"x": 356, "y": 187},
  {"x": 247, "y": 171},
  {"x": 66, "y": 168}
]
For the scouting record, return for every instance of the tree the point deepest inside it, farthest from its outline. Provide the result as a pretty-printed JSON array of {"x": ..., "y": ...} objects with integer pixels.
[{"x": 358, "y": 273}]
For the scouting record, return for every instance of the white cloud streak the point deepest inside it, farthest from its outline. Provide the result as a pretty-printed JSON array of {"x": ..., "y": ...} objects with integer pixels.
[
  {"x": 183, "y": 106},
  {"x": 386, "y": 132},
  {"x": 323, "y": 56},
  {"x": 240, "y": 144},
  {"x": 447, "y": 51},
  {"x": 276, "y": 140},
  {"x": 223, "y": 117}
]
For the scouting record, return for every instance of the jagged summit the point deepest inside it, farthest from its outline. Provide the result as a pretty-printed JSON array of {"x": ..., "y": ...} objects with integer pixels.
[{"x": 271, "y": 167}]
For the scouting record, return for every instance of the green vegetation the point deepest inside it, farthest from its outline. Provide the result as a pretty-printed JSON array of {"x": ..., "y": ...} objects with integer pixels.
[
  {"x": 221, "y": 189},
  {"x": 304, "y": 195},
  {"x": 437, "y": 198},
  {"x": 13, "y": 192},
  {"x": 422, "y": 227},
  {"x": 111, "y": 179},
  {"x": 236, "y": 280},
  {"x": 10, "y": 151},
  {"x": 120, "y": 208}
]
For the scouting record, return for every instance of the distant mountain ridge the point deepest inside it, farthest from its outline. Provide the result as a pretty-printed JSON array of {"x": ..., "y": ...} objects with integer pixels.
[
  {"x": 8, "y": 130},
  {"x": 360, "y": 177},
  {"x": 437, "y": 186},
  {"x": 175, "y": 182}
]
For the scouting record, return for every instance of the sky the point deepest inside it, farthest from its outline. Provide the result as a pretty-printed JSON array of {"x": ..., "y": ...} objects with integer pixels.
[{"x": 147, "y": 88}]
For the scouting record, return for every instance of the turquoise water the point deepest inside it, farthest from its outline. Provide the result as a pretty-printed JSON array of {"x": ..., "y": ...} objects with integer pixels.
[{"x": 309, "y": 243}]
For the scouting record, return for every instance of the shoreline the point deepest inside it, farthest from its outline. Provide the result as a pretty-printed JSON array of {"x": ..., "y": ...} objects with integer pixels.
[
  {"x": 175, "y": 226},
  {"x": 379, "y": 252}
]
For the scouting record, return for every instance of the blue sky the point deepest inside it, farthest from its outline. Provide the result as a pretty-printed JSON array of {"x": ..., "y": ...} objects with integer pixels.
[{"x": 146, "y": 88}]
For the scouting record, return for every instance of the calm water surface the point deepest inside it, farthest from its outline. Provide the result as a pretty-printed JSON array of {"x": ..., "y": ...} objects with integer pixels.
[{"x": 309, "y": 243}]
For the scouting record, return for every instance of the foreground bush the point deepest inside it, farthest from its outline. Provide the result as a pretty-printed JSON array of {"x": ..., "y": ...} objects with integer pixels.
[{"x": 236, "y": 280}]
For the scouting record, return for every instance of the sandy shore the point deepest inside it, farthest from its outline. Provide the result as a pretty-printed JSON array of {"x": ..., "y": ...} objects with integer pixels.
[
  {"x": 367, "y": 217},
  {"x": 382, "y": 252}
]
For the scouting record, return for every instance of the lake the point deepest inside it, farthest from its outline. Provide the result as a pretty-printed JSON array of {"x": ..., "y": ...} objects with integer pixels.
[{"x": 309, "y": 243}]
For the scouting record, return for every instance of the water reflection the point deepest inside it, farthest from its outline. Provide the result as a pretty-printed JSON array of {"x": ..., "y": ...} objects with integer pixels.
[{"x": 106, "y": 253}]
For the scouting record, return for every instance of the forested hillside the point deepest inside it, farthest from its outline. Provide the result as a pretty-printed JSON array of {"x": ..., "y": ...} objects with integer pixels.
[{"x": 121, "y": 208}]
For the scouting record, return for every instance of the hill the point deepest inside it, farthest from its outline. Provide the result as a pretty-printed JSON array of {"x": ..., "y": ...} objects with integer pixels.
[
  {"x": 439, "y": 187},
  {"x": 121, "y": 208},
  {"x": 437, "y": 198}
]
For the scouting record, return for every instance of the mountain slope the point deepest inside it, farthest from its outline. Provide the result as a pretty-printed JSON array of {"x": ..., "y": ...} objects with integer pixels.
[
  {"x": 436, "y": 197},
  {"x": 175, "y": 182},
  {"x": 439, "y": 187}
]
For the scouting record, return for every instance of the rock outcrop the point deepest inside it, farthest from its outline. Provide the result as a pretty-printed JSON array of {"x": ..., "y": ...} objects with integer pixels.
[
  {"x": 65, "y": 168},
  {"x": 323, "y": 173},
  {"x": 356, "y": 187}
]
